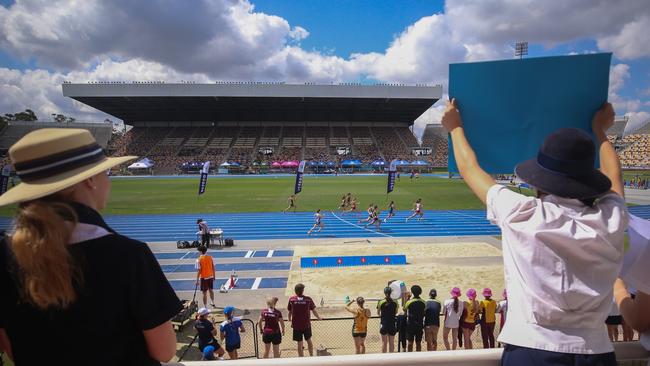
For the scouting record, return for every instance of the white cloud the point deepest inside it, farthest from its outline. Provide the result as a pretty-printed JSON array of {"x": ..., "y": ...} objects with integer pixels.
[
  {"x": 298, "y": 33},
  {"x": 633, "y": 41},
  {"x": 229, "y": 40}
]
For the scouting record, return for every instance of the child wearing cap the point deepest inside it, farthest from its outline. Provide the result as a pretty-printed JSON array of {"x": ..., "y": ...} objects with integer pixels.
[
  {"x": 453, "y": 309},
  {"x": 562, "y": 248},
  {"x": 360, "y": 326},
  {"x": 229, "y": 330},
  {"x": 206, "y": 331},
  {"x": 469, "y": 318},
  {"x": 488, "y": 309}
]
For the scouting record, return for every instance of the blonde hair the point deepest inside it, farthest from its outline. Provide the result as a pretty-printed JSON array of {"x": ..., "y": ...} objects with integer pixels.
[
  {"x": 42, "y": 231},
  {"x": 271, "y": 301}
]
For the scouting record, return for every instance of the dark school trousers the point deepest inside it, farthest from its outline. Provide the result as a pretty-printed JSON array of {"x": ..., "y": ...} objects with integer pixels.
[
  {"x": 516, "y": 356},
  {"x": 487, "y": 334}
]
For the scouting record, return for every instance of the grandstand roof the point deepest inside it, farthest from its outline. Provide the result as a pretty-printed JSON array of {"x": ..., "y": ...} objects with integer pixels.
[
  {"x": 618, "y": 128},
  {"x": 139, "y": 103}
]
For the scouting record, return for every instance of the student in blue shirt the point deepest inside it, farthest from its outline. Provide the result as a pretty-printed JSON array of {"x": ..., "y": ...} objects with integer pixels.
[{"x": 230, "y": 329}]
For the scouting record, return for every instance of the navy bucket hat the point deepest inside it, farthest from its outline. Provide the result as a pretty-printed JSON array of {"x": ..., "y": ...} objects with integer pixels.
[{"x": 564, "y": 166}]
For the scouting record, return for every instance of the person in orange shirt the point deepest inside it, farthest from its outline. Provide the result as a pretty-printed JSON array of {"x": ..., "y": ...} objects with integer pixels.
[
  {"x": 488, "y": 309},
  {"x": 205, "y": 274}
]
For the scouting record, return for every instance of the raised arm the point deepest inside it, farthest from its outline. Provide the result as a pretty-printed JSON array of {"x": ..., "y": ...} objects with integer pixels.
[
  {"x": 476, "y": 178},
  {"x": 609, "y": 163},
  {"x": 349, "y": 308},
  {"x": 634, "y": 311}
]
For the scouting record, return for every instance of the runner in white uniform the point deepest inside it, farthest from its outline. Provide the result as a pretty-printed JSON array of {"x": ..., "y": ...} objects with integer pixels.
[
  {"x": 417, "y": 210},
  {"x": 318, "y": 222}
]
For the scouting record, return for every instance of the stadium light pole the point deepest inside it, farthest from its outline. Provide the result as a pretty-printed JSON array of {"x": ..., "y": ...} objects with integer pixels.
[{"x": 521, "y": 49}]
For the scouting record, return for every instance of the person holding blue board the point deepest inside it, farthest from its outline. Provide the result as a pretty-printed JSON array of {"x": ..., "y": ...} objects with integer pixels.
[{"x": 562, "y": 247}]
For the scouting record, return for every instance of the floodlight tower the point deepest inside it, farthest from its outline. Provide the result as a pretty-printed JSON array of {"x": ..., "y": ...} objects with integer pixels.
[{"x": 521, "y": 49}]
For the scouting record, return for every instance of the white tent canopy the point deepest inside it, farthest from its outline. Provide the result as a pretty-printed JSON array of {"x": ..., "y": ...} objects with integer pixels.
[{"x": 141, "y": 164}]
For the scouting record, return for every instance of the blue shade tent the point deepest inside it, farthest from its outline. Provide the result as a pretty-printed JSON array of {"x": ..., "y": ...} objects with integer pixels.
[
  {"x": 312, "y": 163},
  {"x": 351, "y": 162},
  {"x": 419, "y": 162},
  {"x": 235, "y": 163},
  {"x": 225, "y": 164},
  {"x": 321, "y": 163},
  {"x": 331, "y": 163},
  {"x": 378, "y": 162},
  {"x": 402, "y": 162}
]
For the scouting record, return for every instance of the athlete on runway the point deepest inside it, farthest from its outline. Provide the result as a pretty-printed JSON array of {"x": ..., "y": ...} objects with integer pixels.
[
  {"x": 344, "y": 203},
  {"x": 318, "y": 222},
  {"x": 417, "y": 210},
  {"x": 368, "y": 219},
  {"x": 391, "y": 211},
  {"x": 292, "y": 203},
  {"x": 374, "y": 218}
]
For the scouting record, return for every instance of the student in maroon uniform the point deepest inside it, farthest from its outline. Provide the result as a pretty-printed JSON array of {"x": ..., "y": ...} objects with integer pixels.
[
  {"x": 299, "y": 309},
  {"x": 271, "y": 326}
]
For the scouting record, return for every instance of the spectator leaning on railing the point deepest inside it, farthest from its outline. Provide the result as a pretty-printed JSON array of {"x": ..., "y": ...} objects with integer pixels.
[
  {"x": 562, "y": 249},
  {"x": 57, "y": 296}
]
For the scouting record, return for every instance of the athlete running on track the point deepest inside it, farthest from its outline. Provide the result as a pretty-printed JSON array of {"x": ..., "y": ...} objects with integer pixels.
[
  {"x": 417, "y": 210},
  {"x": 368, "y": 219},
  {"x": 391, "y": 211},
  {"x": 343, "y": 204},
  {"x": 374, "y": 218},
  {"x": 318, "y": 222},
  {"x": 292, "y": 203}
]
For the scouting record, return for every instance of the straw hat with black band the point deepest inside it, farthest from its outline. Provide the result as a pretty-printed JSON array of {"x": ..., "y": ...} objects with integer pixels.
[{"x": 49, "y": 160}]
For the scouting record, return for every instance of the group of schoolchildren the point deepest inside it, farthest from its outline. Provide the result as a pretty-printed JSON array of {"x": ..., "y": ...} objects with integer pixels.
[
  {"x": 422, "y": 318},
  {"x": 270, "y": 323}
]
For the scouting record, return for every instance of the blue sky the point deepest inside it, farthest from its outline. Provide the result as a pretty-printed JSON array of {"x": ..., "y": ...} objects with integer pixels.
[{"x": 406, "y": 41}]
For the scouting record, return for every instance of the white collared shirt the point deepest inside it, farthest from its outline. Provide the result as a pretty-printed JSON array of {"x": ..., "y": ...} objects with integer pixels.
[{"x": 560, "y": 260}]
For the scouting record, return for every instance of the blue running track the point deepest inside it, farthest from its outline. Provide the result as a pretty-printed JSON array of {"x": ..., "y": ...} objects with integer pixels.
[{"x": 271, "y": 225}]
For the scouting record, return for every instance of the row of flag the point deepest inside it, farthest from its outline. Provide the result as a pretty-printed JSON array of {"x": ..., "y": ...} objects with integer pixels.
[{"x": 392, "y": 171}]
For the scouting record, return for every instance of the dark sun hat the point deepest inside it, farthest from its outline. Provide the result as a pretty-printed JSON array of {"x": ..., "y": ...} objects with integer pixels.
[{"x": 564, "y": 166}]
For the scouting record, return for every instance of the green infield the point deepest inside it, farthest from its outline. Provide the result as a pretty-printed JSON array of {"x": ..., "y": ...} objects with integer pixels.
[{"x": 257, "y": 194}]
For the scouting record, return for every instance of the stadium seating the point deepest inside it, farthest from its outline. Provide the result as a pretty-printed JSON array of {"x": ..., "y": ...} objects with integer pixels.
[
  {"x": 634, "y": 150},
  {"x": 169, "y": 147},
  {"x": 435, "y": 137}
]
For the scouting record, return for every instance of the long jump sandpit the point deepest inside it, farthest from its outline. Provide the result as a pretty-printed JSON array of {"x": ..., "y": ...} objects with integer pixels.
[{"x": 466, "y": 263}]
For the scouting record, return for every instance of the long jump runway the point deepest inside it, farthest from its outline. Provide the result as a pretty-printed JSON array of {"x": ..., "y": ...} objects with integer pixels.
[{"x": 276, "y": 225}]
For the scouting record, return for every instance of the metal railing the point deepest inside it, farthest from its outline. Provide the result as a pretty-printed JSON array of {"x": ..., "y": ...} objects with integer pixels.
[
  {"x": 627, "y": 354},
  {"x": 333, "y": 336}
]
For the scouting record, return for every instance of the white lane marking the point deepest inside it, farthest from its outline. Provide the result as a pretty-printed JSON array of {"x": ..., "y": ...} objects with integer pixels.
[
  {"x": 360, "y": 227},
  {"x": 256, "y": 284},
  {"x": 249, "y": 254},
  {"x": 270, "y": 253}
]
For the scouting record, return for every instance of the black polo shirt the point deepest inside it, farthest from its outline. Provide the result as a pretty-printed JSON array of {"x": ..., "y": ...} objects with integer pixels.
[{"x": 124, "y": 292}]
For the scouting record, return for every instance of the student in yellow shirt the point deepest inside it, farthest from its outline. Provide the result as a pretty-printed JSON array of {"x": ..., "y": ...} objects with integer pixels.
[
  {"x": 360, "y": 327},
  {"x": 468, "y": 320},
  {"x": 488, "y": 309}
]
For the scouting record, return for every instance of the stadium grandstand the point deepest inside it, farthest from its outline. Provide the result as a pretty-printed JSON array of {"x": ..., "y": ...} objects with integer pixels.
[
  {"x": 633, "y": 148},
  {"x": 14, "y": 130},
  {"x": 261, "y": 125}
]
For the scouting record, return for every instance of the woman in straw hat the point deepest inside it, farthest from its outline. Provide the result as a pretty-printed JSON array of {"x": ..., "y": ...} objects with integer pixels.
[
  {"x": 62, "y": 268},
  {"x": 562, "y": 249}
]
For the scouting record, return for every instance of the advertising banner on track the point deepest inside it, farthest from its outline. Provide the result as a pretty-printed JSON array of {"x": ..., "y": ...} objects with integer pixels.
[
  {"x": 301, "y": 170},
  {"x": 4, "y": 179},
  {"x": 392, "y": 171},
  {"x": 203, "y": 182}
]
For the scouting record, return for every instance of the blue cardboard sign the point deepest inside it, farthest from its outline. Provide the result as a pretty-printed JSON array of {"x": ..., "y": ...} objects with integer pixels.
[{"x": 508, "y": 107}]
